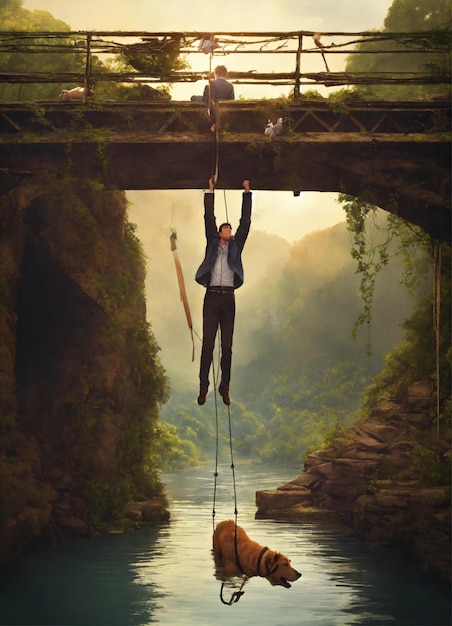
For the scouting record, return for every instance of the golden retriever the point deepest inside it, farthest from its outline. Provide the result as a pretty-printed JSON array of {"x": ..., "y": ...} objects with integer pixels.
[{"x": 236, "y": 554}]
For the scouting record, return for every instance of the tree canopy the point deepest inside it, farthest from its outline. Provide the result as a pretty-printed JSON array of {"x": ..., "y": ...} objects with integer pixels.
[
  {"x": 409, "y": 16},
  {"x": 23, "y": 57}
]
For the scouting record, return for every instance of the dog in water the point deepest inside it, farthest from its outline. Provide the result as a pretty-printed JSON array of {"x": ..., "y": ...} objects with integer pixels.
[{"x": 237, "y": 555}]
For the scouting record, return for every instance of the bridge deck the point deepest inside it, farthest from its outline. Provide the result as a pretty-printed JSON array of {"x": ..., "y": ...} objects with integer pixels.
[
  {"x": 397, "y": 152},
  {"x": 236, "y": 117}
]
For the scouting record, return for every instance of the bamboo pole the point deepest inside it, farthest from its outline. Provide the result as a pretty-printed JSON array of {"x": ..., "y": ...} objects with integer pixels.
[{"x": 271, "y": 78}]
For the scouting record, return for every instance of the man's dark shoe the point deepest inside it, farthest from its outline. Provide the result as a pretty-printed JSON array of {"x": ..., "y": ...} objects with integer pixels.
[
  {"x": 202, "y": 395},
  {"x": 224, "y": 392}
]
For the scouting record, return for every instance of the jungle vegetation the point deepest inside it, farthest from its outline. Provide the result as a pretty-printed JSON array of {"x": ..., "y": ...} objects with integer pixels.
[
  {"x": 14, "y": 17},
  {"x": 323, "y": 356}
]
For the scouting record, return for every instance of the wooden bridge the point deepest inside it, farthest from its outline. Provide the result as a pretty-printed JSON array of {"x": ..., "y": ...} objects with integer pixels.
[{"x": 397, "y": 153}]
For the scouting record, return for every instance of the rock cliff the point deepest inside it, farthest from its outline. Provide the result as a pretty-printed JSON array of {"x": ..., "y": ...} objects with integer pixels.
[
  {"x": 80, "y": 378},
  {"x": 380, "y": 477}
]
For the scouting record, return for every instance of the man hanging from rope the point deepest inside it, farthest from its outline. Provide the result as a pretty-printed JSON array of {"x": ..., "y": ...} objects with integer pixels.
[{"x": 221, "y": 272}]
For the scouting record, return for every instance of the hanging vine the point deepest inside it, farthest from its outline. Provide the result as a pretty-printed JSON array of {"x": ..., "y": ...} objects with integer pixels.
[{"x": 374, "y": 242}]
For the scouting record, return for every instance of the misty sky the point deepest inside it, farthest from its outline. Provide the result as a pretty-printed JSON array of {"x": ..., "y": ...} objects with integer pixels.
[
  {"x": 199, "y": 15},
  {"x": 276, "y": 213}
]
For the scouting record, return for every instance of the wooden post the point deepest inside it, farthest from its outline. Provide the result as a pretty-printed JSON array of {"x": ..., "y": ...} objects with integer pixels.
[
  {"x": 87, "y": 67},
  {"x": 296, "y": 91}
]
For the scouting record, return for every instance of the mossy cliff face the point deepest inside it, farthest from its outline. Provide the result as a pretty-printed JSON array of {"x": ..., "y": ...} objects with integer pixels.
[{"x": 80, "y": 379}]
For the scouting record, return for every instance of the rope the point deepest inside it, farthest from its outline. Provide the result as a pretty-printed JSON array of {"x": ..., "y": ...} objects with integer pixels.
[
  {"x": 237, "y": 559},
  {"x": 215, "y": 155},
  {"x": 215, "y": 377},
  {"x": 210, "y": 81},
  {"x": 216, "y": 169},
  {"x": 437, "y": 332},
  {"x": 235, "y": 596},
  {"x": 217, "y": 438},
  {"x": 215, "y": 371},
  {"x": 216, "y": 140},
  {"x": 232, "y": 467}
]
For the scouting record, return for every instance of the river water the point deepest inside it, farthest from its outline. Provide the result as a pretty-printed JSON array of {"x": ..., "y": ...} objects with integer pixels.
[{"x": 165, "y": 575}]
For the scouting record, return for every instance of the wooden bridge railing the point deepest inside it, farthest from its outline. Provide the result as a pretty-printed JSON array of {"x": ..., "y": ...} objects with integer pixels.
[{"x": 152, "y": 56}]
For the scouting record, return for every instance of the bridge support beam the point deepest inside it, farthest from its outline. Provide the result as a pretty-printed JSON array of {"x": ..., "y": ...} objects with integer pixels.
[
  {"x": 407, "y": 176},
  {"x": 373, "y": 151}
]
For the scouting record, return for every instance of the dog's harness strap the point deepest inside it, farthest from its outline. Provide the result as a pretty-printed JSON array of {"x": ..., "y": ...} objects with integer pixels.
[{"x": 259, "y": 559}]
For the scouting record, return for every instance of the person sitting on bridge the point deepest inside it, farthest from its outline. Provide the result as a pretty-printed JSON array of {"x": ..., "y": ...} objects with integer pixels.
[
  {"x": 219, "y": 89},
  {"x": 221, "y": 272}
]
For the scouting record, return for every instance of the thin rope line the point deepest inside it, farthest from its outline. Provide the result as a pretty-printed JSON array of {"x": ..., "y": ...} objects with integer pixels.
[
  {"x": 215, "y": 155},
  {"x": 220, "y": 174},
  {"x": 437, "y": 331},
  {"x": 216, "y": 450},
  {"x": 215, "y": 372},
  {"x": 232, "y": 465},
  {"x": 210, "y": 78}
]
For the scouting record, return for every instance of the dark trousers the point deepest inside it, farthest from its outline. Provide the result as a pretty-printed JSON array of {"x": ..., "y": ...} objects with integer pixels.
[{"x": 218, "y": 310}]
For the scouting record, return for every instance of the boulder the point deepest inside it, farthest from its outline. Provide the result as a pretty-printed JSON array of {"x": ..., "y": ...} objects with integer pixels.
[
  {"x": 420, "y": 394},
  {"x": 154, "y": 510}
]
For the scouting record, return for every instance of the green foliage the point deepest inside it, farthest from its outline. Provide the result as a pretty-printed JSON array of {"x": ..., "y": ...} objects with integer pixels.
[
  {"x": 193, "y": 435},
  {"x": 68, "y": 55},
  {"x": 135, "y": 470},
  {"x": 175, "y": 452},
  {"x": 411, "y": 17},
  {"x": 296, "y": 410},
  {"x": 155, "y": 57},
  {"x": 414, "y": 358},
  {"x": 429, "y": 472},
  {"x": 374, "y": 242},
  {"x": 312, "y": 94},
  {"x": 14, "y": 17},
  {"x": 336, "y": 437}
]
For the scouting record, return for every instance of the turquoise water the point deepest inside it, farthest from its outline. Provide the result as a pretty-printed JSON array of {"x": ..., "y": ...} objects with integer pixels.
[{"x": 165, "y": 575}]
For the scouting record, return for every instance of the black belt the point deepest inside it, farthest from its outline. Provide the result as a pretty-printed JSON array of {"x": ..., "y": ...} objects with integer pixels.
[{"x": 221, "y": 289}]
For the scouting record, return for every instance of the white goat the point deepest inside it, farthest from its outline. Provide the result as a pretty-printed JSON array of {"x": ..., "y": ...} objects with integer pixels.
[
  {"x": 76, "y": 94},
  {"x": 274, "y": 129}
]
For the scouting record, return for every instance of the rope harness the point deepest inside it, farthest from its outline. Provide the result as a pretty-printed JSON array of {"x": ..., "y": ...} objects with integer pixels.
[{"x": 236, "y": 595}]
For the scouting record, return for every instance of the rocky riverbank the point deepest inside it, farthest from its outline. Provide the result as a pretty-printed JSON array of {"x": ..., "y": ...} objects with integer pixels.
[{"x": 382, "y": 478}]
